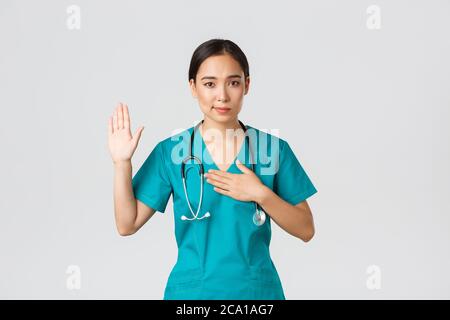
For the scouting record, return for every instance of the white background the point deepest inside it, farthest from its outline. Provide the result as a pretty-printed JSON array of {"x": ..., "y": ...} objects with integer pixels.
[{"x": 366, "y": 111}]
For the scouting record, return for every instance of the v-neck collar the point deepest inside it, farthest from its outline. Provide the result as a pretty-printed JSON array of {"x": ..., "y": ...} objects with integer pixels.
[{"x": 209, "y": 159}]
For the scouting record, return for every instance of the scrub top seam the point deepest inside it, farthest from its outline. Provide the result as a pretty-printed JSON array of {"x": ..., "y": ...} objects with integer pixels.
[
  {"x": 301, "y": 196},
  {"x": 162, "y": 154},
  {"x": 157, "y": 205}
]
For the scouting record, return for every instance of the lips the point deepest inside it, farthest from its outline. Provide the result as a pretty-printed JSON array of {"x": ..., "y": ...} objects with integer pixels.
[{"x": 222, "y": 110}]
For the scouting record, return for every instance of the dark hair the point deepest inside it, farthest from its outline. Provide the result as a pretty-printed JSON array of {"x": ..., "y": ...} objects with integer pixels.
[{"x": 215, "y": 47}]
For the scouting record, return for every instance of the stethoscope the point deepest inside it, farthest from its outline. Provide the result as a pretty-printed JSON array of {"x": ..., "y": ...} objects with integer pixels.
[{"x": 259, "y": 217}]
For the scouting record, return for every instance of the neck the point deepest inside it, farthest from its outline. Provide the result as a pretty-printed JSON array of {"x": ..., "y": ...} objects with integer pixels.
[{"x": 220, "y": 126}]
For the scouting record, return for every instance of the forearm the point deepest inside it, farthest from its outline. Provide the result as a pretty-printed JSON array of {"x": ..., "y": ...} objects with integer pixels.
[
  {"x": 125, "y": 209},
  {"x": 294, "y": 220}
]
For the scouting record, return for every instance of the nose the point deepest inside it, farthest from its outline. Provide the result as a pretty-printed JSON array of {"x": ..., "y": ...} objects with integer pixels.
[{"x": 222, "y": 94}]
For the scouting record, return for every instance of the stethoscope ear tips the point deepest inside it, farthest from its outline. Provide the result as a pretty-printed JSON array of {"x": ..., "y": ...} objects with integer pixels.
[{"x": 207, "y": 215}]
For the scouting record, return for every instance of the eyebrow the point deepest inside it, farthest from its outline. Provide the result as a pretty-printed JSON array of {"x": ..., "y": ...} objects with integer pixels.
[{"x": 214, "y": 78}]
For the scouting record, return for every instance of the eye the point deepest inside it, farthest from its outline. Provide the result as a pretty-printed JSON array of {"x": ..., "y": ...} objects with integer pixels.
[
  {"x": 235, "y": 83},
  {"x": 207, "y": 84}
]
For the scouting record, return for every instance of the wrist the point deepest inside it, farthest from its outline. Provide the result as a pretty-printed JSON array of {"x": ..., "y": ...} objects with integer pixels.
[
  {"x": 122, "y": 163},
  {"x": 262, "y": 195}
]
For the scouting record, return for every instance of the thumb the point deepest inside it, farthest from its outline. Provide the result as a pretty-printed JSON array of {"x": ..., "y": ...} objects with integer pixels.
[
  {"x": 137, "y": 135},
  {"x": 242, "y": 167}
]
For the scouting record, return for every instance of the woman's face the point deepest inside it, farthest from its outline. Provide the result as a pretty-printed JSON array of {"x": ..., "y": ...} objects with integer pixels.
[{"x": 220, "y": 83}]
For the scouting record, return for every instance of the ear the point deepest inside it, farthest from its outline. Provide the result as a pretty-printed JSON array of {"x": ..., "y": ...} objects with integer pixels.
[
  {"x": 193, "y": 88},
  {"x": 247, "y": 84}
]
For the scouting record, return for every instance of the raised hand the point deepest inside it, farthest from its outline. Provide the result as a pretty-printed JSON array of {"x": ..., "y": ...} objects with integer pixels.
[{"x": 120, "y": 142}]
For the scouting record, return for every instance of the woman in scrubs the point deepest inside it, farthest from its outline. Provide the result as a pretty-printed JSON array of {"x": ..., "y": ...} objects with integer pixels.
[{"x": 222, "y": 254}]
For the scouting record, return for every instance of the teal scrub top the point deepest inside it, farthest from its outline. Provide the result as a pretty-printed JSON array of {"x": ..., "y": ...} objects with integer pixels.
[{"x": 224, "y": 256}]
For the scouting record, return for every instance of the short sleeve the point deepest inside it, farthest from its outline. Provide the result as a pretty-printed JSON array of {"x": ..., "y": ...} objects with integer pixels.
[
  {"x": 151, "y": 183},
  {"x": 291, "y": 183}
]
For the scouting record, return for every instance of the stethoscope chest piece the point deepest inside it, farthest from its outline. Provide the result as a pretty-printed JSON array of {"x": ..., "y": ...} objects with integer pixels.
[{"x": 259, "y": 217}]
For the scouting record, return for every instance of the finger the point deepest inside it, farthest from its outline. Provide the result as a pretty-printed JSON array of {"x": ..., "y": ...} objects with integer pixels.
[
  {"x": 242, "y": 167},
  {"x": 137, "y": 135},
  {"x": 221, "y": 185},
  {"x": 217, "y": 177},
  {"x": 115, "y": 120},
  {"x": 225, "y": 175},
  {"x": 224, "y": 192},
  {"x": 126, "y": 117},
  {"x": 120, "y": 115},
  {"x": 110, "y": 126}
]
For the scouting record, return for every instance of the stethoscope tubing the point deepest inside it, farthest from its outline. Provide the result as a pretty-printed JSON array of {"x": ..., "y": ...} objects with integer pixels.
[{"x": 259, "y": 216}]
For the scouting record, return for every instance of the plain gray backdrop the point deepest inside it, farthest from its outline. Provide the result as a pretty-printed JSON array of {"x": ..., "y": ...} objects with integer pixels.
[{"x": 365, "y": 110}]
